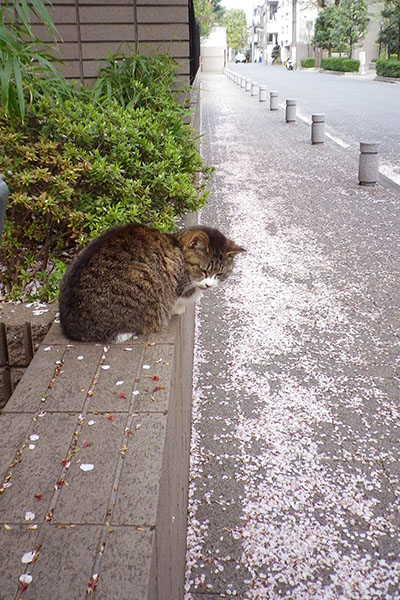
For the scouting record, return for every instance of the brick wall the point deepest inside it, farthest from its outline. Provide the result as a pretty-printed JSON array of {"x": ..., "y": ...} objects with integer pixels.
[{"x": 90, "y": 29}]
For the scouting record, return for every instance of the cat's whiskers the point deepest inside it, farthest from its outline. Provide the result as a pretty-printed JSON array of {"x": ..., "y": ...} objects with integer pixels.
[{"x": 189, "y": 286}]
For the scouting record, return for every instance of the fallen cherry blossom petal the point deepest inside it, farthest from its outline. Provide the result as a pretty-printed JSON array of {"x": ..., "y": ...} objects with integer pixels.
[
  {"x": 34, "y": 437},
  {"x": 146, "y": 366},
  {"x": 93, "y": 581},
  {"x": 86, "y": 467},
  {"x": 22, "y": 587},
  {"x": 32, "y": 446},
  {"x": 26, "y": 578},
  {"x": 81, "y": 357},
  {"x": 28, "y": 557},
  {"x": 29, "y": 515},
  {"x": 105, "y": 367},
  {"x": 91, "y": 422},
  {"x": 120, "y": 382}
]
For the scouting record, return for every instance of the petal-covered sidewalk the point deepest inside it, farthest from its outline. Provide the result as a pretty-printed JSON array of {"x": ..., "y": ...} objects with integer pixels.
[{"x": 295, "y": 478}]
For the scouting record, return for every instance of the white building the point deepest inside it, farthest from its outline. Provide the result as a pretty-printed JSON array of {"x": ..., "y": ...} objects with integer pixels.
[{"x": 290, "y": 24}]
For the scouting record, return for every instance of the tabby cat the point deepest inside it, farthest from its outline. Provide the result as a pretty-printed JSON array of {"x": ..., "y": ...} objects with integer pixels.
[{"x": 132, "y": 279}]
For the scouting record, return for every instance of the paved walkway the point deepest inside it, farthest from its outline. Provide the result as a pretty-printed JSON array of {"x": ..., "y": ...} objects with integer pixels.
[{"x": 295, "y": 477}]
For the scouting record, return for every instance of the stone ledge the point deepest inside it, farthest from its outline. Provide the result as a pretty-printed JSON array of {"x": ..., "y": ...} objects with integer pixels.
[{"x": 119, "y": 527}]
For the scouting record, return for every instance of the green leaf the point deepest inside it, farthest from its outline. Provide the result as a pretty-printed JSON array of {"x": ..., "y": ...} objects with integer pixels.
[{"x": 19, "y": 86}]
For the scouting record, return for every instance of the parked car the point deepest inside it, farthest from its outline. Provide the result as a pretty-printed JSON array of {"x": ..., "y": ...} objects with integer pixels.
[{"x": 240, "y": 58}]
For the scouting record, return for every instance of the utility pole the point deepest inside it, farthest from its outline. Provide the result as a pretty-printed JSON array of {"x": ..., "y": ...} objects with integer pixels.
[{"x": 294, "y": 33}]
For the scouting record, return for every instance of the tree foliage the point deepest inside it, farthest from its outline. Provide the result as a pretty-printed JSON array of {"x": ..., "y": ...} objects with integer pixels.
[
  {"x": 390, "y": 32},
  {"x": 352, "y": 24},
  {"x": 236, "y": 29},
  {"x": 208, "y": 13},
  {"x": 341, "y": 25},
  {"x": 205, "y": 17},
  {"x": 326, "y": 27}
]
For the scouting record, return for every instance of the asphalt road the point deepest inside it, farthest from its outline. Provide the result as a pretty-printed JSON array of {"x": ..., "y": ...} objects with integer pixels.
[
  {"x": 357, "y": 108},
  {"x": 295, "y": 478}
]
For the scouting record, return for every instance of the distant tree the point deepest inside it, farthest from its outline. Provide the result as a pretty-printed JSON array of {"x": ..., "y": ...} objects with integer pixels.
[
  {"x": 390, "y": 32},
  {"x": 208, "y": 13},
  {"x": 236, "y": 29},
  {"x": 219, "y": 11},
  {"x": 326, "y": 28},
  {"x": 205, "y": 17},
  {"x": 352, "y": 24},
  {"x": 276, "y": 53}
]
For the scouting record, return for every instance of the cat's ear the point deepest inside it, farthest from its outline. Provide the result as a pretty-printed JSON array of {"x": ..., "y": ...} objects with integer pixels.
[
  {"x": 232, "y": 248},
  {"x": 197, "y": 240}
]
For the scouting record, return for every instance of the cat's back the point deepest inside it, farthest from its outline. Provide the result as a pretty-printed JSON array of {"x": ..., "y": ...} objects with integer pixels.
[
  {"x": 119, "y": 248},
  {"x": 122, "y": 271}
]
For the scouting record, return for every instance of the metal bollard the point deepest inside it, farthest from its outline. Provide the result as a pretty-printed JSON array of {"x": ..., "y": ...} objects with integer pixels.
[
  {"x": 248, "y": 85},
  {"x": 290, "y": 111},
  {"x": 273, "y": 100},
  {"x": 318, "y": 129},
  {"x": 243, "y": 82},
  {"x": 3, "y": 202},
  {"x": 262, "y": 93},
  {"x": 369, "y": 163},
  {"x": 254, "y": 86}
]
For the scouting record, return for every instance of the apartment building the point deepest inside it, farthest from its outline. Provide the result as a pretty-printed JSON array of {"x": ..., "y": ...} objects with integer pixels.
[{"x": 290, "y": 24}]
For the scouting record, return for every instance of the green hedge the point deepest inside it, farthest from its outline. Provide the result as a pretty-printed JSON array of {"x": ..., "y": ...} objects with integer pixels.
[
  {"x": 308, "y": 63},
  {"x": 77, "y": 167},
  {"x": 340, "y": 64},
  {"x": 388, "y": 68}
]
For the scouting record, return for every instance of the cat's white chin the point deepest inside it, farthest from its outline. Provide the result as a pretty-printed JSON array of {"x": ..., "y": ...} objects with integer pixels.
[{"x": 207, "y": 283}]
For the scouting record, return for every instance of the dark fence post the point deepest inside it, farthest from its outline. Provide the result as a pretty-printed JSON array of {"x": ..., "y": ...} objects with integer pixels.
[{"x": 3, "y": 202}]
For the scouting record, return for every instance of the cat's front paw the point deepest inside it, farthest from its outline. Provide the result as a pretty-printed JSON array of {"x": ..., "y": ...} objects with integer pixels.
[{"x": 179, "y": 308}]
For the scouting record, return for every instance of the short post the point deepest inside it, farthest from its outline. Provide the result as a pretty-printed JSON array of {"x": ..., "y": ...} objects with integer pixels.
[
  {"x": 248, "y": 85},
  {"x": 262, "y": 93},
  {"x": 290, "y": 110},
  {"x": 361, "y": 58},
  {"x": 273, "y": 100},
  {"x": 318, "y": 129},
  {"x": 254, "y": 86},
  {"x": 369, "y": 163},
  {"x": 238, "y": 79},
  {"x": 3, "y": 202},
  {"x": 243, "y": 82}
]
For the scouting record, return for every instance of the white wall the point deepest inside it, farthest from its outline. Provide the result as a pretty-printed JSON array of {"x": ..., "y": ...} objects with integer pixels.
[{"x": 213, "y": 51}]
